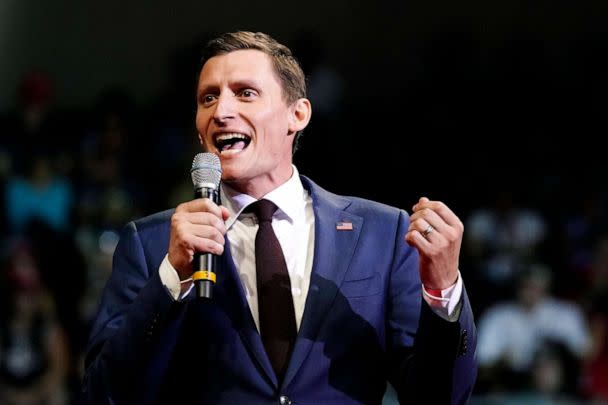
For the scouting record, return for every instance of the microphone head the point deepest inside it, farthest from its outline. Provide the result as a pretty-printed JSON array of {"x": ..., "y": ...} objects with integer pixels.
[{"x": 206, "y": 170}]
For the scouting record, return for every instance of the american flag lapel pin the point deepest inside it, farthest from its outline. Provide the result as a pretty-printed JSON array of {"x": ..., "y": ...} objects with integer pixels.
[{"x": 344, "y": 226}]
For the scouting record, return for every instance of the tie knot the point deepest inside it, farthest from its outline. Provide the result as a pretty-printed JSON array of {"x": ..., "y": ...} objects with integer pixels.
[{"x": 263, "y": 209}]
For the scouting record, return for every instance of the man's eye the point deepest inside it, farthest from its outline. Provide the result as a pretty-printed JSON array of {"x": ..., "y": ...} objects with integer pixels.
[
  {"x": 247, "y": 93},
  {"x": 207, "y": 99}
]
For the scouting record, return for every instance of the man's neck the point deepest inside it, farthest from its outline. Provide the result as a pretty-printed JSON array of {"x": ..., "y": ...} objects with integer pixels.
[{"x": 260, "y": 187}]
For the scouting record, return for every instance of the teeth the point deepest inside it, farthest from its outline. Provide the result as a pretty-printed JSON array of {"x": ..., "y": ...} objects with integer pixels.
[
  {"x": 233, "y": 135},
  {"x": 229, "y": 152},
  {"x": 230, "y": 143}
]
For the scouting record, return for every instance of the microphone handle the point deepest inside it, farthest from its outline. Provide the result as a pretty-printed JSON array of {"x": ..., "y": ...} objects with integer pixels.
[{"x": 203, "y": 264}]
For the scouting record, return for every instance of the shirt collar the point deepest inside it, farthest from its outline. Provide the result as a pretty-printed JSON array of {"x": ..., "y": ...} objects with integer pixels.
[{"x": 290, "y": 197}]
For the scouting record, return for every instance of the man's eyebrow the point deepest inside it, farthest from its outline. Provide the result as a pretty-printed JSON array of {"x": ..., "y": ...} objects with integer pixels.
[
  {"x": 245, "y": 83},
  {"x": 240, "y": 83},
  {"x": 207, "y": 88}
]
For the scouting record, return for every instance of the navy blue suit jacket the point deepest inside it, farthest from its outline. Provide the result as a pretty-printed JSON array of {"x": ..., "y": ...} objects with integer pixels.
[{"x": 364, "y": 323}]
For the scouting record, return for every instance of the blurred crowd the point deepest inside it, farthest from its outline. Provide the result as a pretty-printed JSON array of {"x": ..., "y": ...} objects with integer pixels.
[{"x": 537, "y": 274}]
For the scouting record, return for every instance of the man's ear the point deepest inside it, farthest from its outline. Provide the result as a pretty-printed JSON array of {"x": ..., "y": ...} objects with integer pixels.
[{"x": 299, "y": 115}]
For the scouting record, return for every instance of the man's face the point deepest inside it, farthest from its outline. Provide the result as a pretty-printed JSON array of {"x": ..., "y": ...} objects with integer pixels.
[{"x": 242, "y": 117}]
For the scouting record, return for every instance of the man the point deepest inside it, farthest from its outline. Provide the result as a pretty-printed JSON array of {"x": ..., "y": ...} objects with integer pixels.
[{"x": 356, "y": 285}]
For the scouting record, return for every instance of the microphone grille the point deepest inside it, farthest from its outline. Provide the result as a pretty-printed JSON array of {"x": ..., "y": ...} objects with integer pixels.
[{"x": 206, "y": 169}]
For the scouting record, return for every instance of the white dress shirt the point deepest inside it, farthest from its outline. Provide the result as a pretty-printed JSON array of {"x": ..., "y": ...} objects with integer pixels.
[{"x": 293, "y": 224}]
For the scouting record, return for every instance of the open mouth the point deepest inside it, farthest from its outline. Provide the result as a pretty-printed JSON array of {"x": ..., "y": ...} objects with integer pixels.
[{"x": 233, "y": 142}]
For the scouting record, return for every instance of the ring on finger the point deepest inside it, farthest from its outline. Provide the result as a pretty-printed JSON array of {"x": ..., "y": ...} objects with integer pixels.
[{"x": 428, "y": 230}]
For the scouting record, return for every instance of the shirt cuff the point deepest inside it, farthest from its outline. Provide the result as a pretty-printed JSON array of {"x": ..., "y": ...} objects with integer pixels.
[
  {"x": 446, "y": 305},
  {"x": 168, "y": 276}
]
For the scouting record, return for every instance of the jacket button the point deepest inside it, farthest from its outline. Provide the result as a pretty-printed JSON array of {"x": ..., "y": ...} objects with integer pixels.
[
  {"x": 284, "y": 400},
  {"x": 463, "y": 343}
]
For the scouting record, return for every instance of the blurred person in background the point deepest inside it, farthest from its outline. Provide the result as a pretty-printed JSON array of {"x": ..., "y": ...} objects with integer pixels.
[
  {"x": 35, "y": 138},
  {"x": 512, "y": 333},
  {"x": 41, "y": 194},
  {"x": 34, "y": 353},
  {"x": 499, "y": 237},
  {"x": 35, "y": 126}
]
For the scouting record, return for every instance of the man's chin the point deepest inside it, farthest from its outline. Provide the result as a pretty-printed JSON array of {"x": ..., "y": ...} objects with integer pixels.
[{"x": 232, "y": 177}]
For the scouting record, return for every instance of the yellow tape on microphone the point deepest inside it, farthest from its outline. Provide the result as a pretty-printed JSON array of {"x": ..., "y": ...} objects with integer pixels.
[{"x": 204, "y": 275}]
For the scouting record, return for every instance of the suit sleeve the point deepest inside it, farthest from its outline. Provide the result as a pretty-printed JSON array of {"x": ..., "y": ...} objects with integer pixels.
[
  {"x": 124, "y": 356},
  {"x": 431, "y": 359}
]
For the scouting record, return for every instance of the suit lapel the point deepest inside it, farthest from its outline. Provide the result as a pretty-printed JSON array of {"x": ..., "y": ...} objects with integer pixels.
[
  {"x": 240, "y": 310},
  {"x": 333, "y": 252}
]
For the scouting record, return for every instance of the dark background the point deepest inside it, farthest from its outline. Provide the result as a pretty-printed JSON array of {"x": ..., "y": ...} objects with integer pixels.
[{"x": 438, "y": 95}]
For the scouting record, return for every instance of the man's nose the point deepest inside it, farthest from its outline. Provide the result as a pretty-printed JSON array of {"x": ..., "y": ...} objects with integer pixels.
[{"x": 224, "y": 108}]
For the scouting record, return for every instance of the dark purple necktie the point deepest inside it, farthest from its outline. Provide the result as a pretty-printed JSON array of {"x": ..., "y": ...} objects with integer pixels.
[{"x": 275, "y": 302}]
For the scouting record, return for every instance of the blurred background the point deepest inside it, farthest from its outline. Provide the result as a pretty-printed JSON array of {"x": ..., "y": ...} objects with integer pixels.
[{"x": 496, "y": 108}]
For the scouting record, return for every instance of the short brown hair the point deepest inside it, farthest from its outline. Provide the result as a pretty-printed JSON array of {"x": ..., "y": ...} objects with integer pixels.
[{"x": 287, "y": 68}]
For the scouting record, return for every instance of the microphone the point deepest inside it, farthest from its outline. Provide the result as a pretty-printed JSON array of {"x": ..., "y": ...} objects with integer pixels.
[{"x": 206, "y": 173}]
